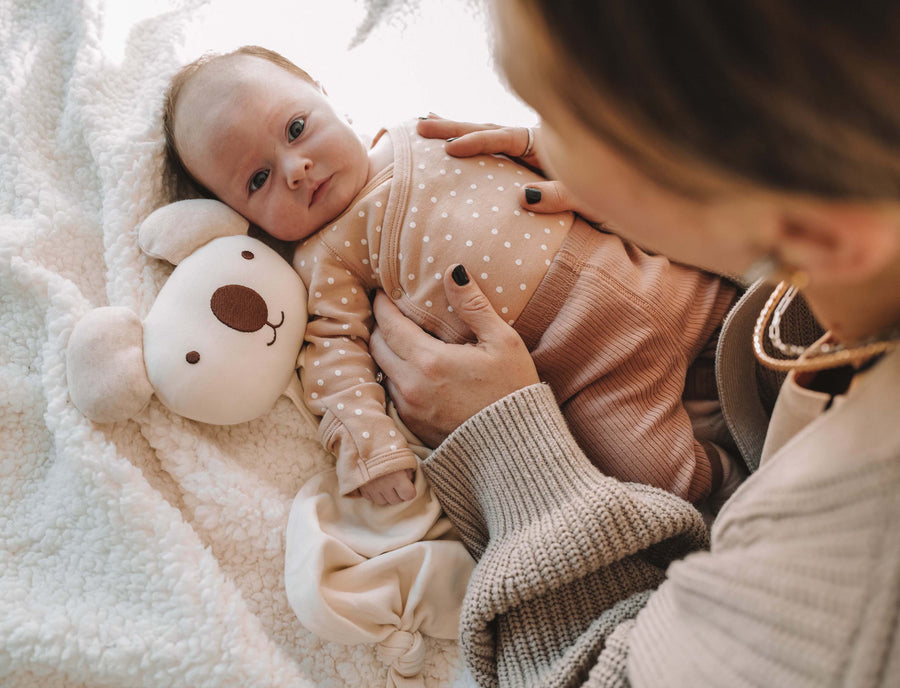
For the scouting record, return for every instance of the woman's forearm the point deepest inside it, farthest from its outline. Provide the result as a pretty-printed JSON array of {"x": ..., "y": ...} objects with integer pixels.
[{"x": 560, "y": 546}]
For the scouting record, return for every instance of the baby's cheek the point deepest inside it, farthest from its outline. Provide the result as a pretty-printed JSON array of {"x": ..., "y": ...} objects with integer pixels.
[{"x": 289, "y": 222}]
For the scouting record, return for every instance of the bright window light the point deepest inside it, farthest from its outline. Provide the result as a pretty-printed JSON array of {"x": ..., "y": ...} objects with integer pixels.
[{"x": 433, "y": 56}]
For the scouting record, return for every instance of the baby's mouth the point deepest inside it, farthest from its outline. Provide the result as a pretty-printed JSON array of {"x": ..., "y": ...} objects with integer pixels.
[{"x": 319, "y": 190}]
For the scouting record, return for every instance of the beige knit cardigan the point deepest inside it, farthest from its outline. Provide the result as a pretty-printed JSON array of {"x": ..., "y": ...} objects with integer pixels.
[{"x": 575, "y": 582}]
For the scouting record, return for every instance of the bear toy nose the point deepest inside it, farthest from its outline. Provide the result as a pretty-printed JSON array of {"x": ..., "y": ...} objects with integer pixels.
[{"x": 239, "y": 307}]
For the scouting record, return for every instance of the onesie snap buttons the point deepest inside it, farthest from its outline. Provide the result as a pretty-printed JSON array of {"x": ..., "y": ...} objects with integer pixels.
[{"x": 396, "y": 293}]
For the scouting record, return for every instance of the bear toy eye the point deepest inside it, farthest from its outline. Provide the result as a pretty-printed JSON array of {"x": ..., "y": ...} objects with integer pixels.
[
  {"x": 247, "y": 255},
  {"x": 192, "y": 357}
]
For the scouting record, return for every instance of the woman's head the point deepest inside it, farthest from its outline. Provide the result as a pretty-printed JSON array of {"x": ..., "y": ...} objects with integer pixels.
[
  {"x": 257, "y": 132},
  {"x": 702, "y": 108}
]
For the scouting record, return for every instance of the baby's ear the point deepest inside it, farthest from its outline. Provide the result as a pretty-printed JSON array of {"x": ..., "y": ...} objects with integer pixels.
[
  {"x": 175, "y": 231},
  {"x": 105, "y": 365}
]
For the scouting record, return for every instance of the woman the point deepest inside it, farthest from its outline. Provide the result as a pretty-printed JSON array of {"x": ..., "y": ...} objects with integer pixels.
[{"x": 746, "y": 137}]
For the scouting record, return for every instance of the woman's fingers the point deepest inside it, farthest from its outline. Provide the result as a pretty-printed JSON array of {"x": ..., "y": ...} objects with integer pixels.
[
  {"x": 435, "y": 127},
  {"x": 465, "y": 139},
  {"x": 547, "y": 197},
  {"x": 474, "y": 309},
  {"x": 508, "y": 141},
  {"x": 404, "y": 353},
  {"x": 395, "y": 338},
  {"x": 550, "y": 197},
  {"x": 437, "y": 386}
]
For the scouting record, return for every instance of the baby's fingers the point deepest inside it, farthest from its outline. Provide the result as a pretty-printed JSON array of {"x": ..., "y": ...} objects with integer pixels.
[
  {"x": 392, "y": 488},
  {"x": 406, "y": 490},
  {"x": 373, "y": 495}
]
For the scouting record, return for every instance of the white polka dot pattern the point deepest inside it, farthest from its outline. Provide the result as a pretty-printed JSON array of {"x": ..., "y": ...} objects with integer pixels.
[
  {"x": 474, "y": 207},
  {"x": 422, "y": 214}
]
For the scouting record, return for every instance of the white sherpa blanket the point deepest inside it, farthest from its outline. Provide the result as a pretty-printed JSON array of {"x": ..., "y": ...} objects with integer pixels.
[{"x": 148, "y": 552}]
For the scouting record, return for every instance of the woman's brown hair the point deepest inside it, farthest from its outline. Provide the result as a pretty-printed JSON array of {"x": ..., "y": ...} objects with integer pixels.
[
  {"x": 799, "y": 96},
  {"x": 179, "y": 181}
]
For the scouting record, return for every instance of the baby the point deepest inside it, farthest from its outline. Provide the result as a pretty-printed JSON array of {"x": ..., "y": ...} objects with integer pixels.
[{"x": 632, "y": 378}]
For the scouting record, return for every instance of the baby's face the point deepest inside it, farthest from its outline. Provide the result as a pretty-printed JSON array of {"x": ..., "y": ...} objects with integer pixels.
[{"x": 269, "y": 144}]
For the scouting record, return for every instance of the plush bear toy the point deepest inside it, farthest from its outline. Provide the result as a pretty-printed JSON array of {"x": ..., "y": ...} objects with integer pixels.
[
  {"x": 221, "y": 341},
  {"x": 220, "y": 345}
]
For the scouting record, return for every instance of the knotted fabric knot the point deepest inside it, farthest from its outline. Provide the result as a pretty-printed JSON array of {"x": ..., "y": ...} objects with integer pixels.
[{"x": 404, "y": 652}]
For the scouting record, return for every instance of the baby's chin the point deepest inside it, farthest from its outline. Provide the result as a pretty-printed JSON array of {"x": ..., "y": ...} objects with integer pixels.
[
  {"x": 290, "y": 230},
  {"x": 292, "y": 236},
  {"x": 281, "y": 231}
]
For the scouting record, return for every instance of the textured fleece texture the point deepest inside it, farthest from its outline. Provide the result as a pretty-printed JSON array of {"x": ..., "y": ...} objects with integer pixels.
[{"x": 149, "y": 552}]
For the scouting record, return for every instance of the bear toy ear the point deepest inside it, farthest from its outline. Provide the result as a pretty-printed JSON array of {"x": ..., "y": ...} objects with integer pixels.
[
  {"x": 105, "y": 365},
  {"x": 175, "y": 231}
]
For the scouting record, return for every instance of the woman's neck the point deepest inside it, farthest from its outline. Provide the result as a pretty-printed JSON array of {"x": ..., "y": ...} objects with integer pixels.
[{"x": 858, "y": 312}]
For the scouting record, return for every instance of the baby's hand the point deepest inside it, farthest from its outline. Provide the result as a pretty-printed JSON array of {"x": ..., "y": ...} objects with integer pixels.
[{"x": 392, "y": 488}]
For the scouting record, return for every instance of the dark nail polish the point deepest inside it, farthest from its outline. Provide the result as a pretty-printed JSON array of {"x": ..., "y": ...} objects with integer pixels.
[
  {"x": 452, "y": 138},
  {"x": 422, "y": 117},
  {"x": 532, "y": 195},
  {"x": 460, "y": 276}
]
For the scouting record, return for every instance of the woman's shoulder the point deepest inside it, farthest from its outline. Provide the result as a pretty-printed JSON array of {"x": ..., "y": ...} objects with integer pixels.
[{"x": 845, "y": 460}]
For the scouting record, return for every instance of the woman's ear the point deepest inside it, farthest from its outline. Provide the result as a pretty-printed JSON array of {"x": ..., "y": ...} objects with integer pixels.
[{"x": 839, "y": 243}]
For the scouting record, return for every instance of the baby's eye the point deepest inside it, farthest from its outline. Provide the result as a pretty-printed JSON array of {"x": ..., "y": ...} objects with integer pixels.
[
  {"x": 258, "y": 179},
  {"x": 296, "y": 128}
]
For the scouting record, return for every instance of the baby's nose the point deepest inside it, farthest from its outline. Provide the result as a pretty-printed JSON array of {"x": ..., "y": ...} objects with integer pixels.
[{"x": 296, "y": 170}]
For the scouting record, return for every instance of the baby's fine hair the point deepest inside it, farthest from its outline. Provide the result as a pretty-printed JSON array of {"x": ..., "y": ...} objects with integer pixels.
[{"x": 180, "y": 182}]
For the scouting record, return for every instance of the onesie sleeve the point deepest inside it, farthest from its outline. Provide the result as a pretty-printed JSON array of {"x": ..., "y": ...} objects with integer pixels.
[{"x": 338, "y": 376}]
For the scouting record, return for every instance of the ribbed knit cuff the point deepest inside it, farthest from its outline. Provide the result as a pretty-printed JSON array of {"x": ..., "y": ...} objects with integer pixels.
[
  {"x": 514, "y": 471},
  {"x": 509, "y": 465}
]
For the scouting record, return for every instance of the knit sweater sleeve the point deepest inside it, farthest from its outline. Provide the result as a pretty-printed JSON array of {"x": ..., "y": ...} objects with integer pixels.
[{"x": 567, "y": 556}]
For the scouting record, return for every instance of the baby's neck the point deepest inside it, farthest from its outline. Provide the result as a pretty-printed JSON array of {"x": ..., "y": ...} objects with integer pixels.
[{"x": 380, "y": 156}]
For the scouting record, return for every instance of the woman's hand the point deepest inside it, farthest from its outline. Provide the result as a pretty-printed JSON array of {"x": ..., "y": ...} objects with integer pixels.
[
  {"x": 437, "y": 386},
  {"x": 476, "y": 139}
]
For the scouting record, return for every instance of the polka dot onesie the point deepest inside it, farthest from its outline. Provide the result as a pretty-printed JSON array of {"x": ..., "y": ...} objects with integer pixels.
[{"x": 427, "y": 211}]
